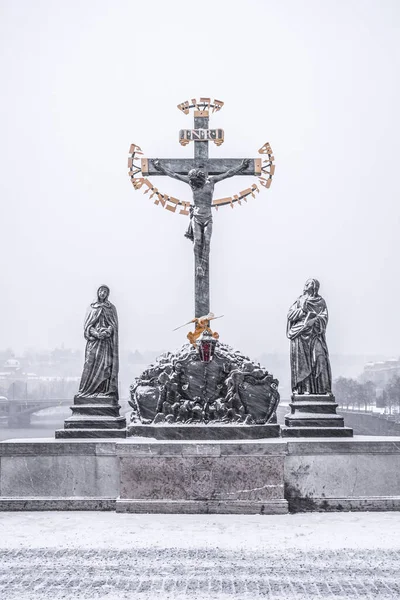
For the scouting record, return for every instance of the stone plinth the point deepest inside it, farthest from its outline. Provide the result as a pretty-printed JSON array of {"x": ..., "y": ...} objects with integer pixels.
[
  {"x": 202, "y": 477},
  {"x": 94, "y": 417},
  {"x": 204, "y": 432},
  {"x": 314, "y": 415}
]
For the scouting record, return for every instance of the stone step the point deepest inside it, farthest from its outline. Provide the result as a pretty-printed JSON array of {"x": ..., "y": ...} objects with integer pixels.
[
  {"x": 95, "y": 400},
  {"x": 313, "y": 398},
  {"x": 90, "y": 433},
  {"x": 313, "y": 407},
  {"x": 94, "y": 422},
  {"x": 104, "y": 410},
  {"x": 299, "y": 432},
  {"x": 314, "y": 420},
  {"x": 168, "y": 506},
  {"x": 313, "y": 415}
]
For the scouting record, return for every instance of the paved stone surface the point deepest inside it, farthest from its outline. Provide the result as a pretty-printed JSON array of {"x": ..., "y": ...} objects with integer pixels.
[
  {"x": 154, "y": 573},
  {"x": 96, "y": 555}
]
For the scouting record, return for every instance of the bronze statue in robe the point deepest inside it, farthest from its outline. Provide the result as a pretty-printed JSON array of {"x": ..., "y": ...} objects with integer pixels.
[
  {"x": 309, "y": 358},
  {"x": 100, "y": 371}
]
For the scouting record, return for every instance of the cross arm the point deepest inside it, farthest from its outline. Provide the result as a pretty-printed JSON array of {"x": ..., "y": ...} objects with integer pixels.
[
  {"x": 213, "y": 166},
  {"x": 231, "y": 172},
  {"x": 164, "y": 170}
]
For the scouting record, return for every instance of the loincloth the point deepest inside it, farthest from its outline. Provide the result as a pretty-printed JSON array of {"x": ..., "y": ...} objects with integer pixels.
[{"x": 202, "y": 221}]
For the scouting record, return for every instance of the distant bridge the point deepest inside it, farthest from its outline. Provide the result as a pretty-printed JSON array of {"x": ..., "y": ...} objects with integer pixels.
[{"x": 18, "y": 412}]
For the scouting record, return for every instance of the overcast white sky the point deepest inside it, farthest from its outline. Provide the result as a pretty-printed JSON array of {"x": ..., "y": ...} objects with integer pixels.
[{"x": 81, "y": 80}]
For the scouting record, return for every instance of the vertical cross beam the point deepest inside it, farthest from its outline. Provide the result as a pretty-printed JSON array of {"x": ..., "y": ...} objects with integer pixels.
[
  {"x": 201, "y": 148},
  {"x": 201, "y": 282}
]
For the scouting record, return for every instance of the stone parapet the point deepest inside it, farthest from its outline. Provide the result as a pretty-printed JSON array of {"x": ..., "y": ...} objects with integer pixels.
[
  {"x": 265, "y": 476},
  {"x": 360, "y": 473},
  {"x": 56, "y": 470}
]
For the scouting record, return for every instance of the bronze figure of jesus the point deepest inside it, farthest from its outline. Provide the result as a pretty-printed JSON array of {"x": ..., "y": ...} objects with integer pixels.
[{"x": 200, "y": 228}]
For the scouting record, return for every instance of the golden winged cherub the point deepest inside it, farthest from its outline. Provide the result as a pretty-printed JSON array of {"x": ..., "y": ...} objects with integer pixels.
[{"x": 201, "y": 324}]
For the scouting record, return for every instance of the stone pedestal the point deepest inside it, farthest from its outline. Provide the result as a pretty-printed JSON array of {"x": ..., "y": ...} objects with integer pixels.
[
  {"x": 94, "y": 417},
  {"x": 207, "y": 477},
  {"x": 204, "y": 432},
  {"x": 314, "y": 415}
]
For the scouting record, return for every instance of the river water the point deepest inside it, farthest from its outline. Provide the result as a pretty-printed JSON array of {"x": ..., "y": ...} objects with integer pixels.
[
  {"x": 44, "y": 425},
  {"x": 35, "y": 431}
]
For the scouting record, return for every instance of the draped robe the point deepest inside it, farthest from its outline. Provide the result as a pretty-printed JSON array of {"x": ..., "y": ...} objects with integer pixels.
[
  {"x": 100, "y": 371},
  {"x": 309, "y": 356}
]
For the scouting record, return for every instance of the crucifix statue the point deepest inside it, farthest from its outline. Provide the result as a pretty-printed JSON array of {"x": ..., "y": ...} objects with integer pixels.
[{"x": 201, "y": 173}]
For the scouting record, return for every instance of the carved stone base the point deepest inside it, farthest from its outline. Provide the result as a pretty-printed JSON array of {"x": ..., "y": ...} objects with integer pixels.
[
  {"x": 196, "y": 389},
  {"x": 204, "y": 432},
  {"x": 94, "y": 417},
  {"x": 314, "y": 415},
  {"x": 242, "y": 477}
]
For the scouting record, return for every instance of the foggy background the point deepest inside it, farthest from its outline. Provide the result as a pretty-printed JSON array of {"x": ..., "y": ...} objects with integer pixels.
[{"x": 81, "y": 81}]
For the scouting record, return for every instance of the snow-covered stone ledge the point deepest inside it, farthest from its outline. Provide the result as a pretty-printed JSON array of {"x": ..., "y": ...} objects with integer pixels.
[{"x": 248, "y": 476}]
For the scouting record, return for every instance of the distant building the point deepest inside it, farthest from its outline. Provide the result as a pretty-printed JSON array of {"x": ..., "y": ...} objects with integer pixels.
[
  {"x": 381, "y": 372},
  {"x": 12, "y": 365}
]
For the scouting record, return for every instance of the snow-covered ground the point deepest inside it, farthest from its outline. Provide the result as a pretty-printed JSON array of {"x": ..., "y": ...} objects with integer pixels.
[
  {"x": 112, "y": 530},
  {"x": 113, "y": 556}
]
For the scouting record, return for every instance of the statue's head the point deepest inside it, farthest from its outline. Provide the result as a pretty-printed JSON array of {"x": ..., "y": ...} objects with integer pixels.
[
  {"x": 248, "y": 366},
  {"x": 163, "y": 378},
  {"x": 197, "y": 178},
  {"x": 311, "y": 287},
  {"x": 103, "y": 292}
]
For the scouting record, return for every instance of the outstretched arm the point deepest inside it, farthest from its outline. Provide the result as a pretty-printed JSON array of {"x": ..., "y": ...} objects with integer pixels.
[
  {"x": 231, "y": 172},
  {"x": 166, "y": 171}
]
